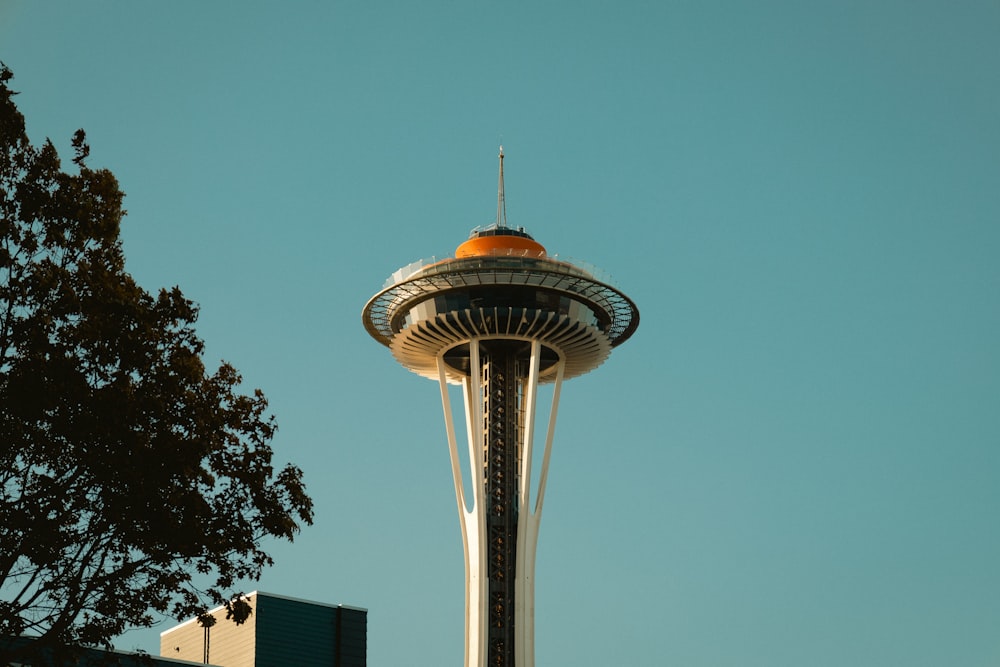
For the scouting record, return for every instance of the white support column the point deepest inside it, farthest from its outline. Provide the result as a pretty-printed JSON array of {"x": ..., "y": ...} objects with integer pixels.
[
  {"x": 529, "y": 520},
  {"x": 524, "y": 589},
  {"x": 478, "y": 579},
  {"x": 463, "y": 514},
  {"x": 530, "y": 398},
  {"x": 549, "y": 435},
  {"x": 473, "y": 536}
]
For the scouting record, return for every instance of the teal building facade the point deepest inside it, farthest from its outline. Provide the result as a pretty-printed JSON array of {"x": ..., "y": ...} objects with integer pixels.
[{"x": 281, "y": 631}]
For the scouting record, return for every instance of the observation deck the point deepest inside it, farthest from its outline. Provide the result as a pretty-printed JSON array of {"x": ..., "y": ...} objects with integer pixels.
[{"x": 500, "y": 284}]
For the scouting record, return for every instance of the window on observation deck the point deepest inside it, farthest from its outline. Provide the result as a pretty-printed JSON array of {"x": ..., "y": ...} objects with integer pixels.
[{"x": 519, "y": 297}]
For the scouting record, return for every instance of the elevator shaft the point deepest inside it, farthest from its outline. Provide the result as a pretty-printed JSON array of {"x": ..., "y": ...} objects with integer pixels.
[{"x": 502, "y": 432}]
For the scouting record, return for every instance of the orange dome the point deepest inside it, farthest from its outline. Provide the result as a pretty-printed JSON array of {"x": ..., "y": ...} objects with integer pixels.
[{"x": 500, "y": 244}]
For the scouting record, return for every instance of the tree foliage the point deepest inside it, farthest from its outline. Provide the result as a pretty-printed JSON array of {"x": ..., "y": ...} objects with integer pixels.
[{"x": 132, "y": 480}]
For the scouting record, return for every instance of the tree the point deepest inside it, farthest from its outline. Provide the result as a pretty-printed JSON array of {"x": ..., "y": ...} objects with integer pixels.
[{"x": 132, "y": 481}]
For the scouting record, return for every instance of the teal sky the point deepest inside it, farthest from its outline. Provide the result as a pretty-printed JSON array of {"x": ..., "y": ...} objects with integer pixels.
[{"x": 796, "y": 459}]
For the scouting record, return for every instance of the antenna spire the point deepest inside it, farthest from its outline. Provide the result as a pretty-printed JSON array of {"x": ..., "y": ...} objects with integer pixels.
[{"x": 501, "y": 204}]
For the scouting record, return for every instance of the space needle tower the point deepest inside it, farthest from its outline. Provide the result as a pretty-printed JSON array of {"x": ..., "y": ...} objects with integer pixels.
[{"x": 499, "y": 318}]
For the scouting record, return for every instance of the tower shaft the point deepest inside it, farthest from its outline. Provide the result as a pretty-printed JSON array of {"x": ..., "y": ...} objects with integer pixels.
[
  {"x": 500, "y": 524},
  {"x": 502, "y": 378}
]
